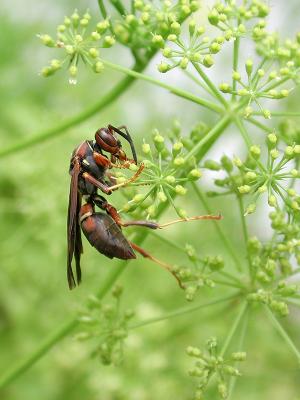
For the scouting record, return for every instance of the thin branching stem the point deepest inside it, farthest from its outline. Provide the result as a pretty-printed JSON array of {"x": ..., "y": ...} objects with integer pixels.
[
  {"x": 179, "y": 92},
  {"x": 235, "y": 325},
  {"x": 280, "y": 329},
  {"x": 184, "y": 311},
  {"x": 218, "y": 228}
]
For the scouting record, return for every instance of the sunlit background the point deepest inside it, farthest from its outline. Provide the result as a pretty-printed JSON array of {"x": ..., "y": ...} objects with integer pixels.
[{"x": 34, "y": 185}]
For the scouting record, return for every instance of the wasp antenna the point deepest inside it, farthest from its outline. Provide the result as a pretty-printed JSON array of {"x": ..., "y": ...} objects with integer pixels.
[{"x": 127, "y": 137}]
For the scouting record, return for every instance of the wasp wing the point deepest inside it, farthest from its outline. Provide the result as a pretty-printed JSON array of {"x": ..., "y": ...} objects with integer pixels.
[{"x": 73, "y": 228}]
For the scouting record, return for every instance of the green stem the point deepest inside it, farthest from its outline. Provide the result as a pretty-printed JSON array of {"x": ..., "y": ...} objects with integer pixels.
[
  {"x": 234, "y": 328},
  {"x": 260, "y": 125},
  {"x": 60, "y": 129},
  {"x": 233, "y": 379},
  {"x": 102, "y": 8},
  {"x": 218, "y": 228},
  {"x": 245, "y": 232},
  {"x": 283, "y": 333},
  {"x": 179, "y": 92},
  {"x": 183, "y": 311},
  {"x": 213, "y": 134},
  {"x": 212, "y": 87},
  {"x": 119, "y": 7},
  {"x": 279, "y": 113},
  {"x": 236, "y": 48},
  {"x": 243, "y": 131}
]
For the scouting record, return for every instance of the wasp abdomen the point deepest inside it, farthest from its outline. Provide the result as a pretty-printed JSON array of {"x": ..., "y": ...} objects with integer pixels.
[{"x": 105, "y": 235}]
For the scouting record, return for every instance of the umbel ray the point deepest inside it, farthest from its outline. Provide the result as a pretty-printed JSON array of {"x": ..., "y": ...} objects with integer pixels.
[{"x": 89, "y": 170}]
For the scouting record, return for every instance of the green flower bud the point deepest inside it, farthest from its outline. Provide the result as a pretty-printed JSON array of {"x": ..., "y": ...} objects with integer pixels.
[
  {"x": 195, "y": 174},
  {"x": 223, "y": 390},
  {"x": 55, "y": 64},
  {"x": 158, "y": 41},
  {"x": 267, "y": 114},
  {"x": 226, "y": 163},
  {"x": 214, "y": 17},
  {"x": 272, "y": 201},
  {"x": 274, "y": 153},
  {"x": 236, "y": 76},
  {"x": 272, "y": 140},
  {"x": 231, "y": 370},
  {"x": 255, "y": 151},
  {"x": 162, "y": 197},
  {"x": 170, "y": 179},
  {"x": 95, "y": 36},
  {"x": 225, "y": 87},
  {"x": 108, "y": 41},
  {"x": 262, "y": 189},
  {"x": 244, "y": 189},
  {"x": 178, "y": 161},
  {"x": 93, "y": 52},
  {"x": 248, "y": 111},
  {"x": 212, "y": 165},
  {"x": 75, "y": 18},
  {"x": 249, "y": 67},
  {"x": 289, "y": 151},
  {"x": 251, "y": 208},
  {"x": 237, "y": 162},
  {"x": 242, "y": 29},
  {"x": 208, "y": 61},
  {"x": 250, "y": 176},
  {"x": 194, "y": 352},
  {"x": 167, "y": 52},
  {"x": 163, "y": 67},
  {"x": 172, "y": 37},
  {"x": 102, "y": 26},
  {"x": 84, "y": 22},
  {"x": 159, "y": 142},
  {"x": 47, "y": 40},
  {"x": 215, "y": 48},
  {"x": 239, "y": 356},
  {"x": 98, "y": 67},
  {"x": 146, "y": 148},
  {"x": 184, "y": 63},
  {"x": 243, "y": 92},
  {"x": 180, "y": 190},
  {"x": 70, "y": 50}
]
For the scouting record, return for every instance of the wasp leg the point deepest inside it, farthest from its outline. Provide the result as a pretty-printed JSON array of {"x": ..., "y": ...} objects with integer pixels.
[
  {"x": 132, "y": 179},
  {"x": 100, "y": 185},
  {"x": 162, "y": 264}
]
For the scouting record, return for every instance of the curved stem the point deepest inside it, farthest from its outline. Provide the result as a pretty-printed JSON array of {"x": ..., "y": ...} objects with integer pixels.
[
  {"x": 219, "y": 230},
  {"x": 179, "y": 92},
  {"x": 234, "y": 328},
  {"x": 183, "y": 311},
  {"x": 212, "y": 87},
  {"x": 283, "y": 333},
  {"x": 60, "y": 129}
]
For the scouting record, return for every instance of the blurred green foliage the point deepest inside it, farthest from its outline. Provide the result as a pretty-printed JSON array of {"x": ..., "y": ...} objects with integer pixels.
[{"x": 34, "y": 299}]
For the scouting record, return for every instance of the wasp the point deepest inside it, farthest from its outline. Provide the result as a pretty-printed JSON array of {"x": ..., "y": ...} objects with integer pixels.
[{"x": 89, "y": 169}]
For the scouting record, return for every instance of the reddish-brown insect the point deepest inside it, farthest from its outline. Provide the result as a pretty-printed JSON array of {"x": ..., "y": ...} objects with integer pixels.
[{"x": 89, "y": 172}]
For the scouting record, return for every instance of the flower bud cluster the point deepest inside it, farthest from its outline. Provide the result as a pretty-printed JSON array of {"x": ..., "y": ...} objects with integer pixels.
[
  {"x": 78, "y": 42},
  {"x": 107, "y": 326},
  {"x": 260, "y": 84},
  {"x": 225, "y": 15},
  {"x": 167, "y": 170},
  {"x": 255, "y": 179},
  {"x": 198, "y": 49},
  {"x": 286, "y": 54},
  {"x": 149, "y": 23},
  {"x": 201, "y": 272},
  {"x": 209, "y": 363}
]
